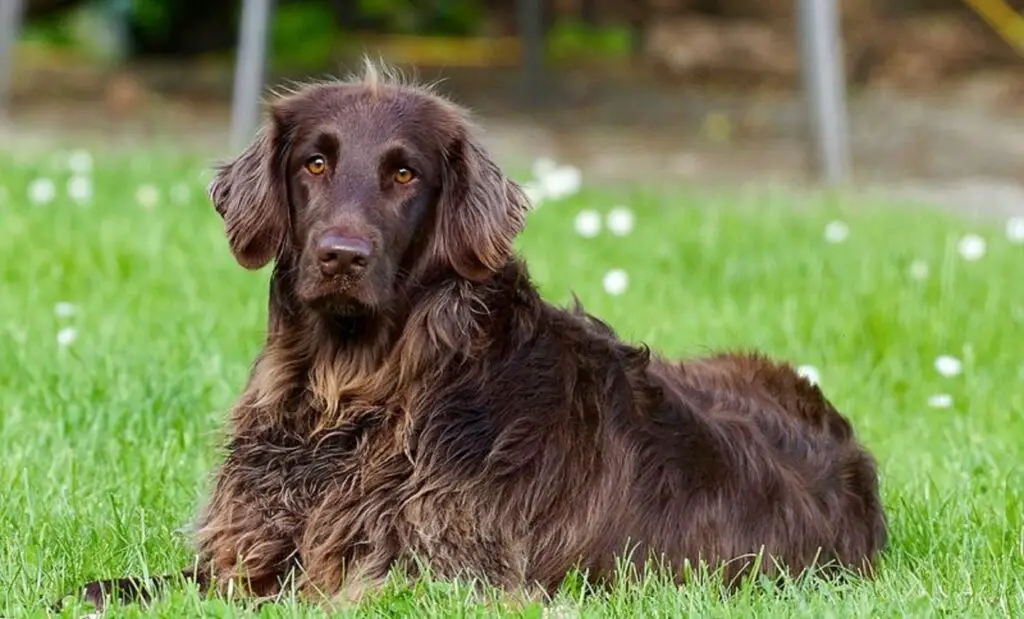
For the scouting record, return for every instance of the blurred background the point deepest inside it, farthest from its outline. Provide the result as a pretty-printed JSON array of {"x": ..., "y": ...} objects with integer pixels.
[{"x": 703, "y": 91}]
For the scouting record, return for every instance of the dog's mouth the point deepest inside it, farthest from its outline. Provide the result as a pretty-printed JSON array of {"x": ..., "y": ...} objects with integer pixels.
[
  {"x": 336, "y": 296},
  {"x": 340, "y": 306}
]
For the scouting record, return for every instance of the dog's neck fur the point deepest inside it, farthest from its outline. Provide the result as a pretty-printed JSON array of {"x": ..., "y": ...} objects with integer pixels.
[{"x": 332, "y": 368}]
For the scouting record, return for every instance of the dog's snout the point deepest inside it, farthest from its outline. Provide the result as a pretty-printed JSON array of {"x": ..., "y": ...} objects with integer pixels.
[{"x": 340, "y": 254}]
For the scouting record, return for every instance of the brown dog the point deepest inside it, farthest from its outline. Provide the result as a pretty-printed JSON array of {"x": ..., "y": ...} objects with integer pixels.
[{"x": 417, "y": 400}]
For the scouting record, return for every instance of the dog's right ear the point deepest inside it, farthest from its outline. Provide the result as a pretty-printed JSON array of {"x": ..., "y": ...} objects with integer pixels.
[{"x": 250, "y": 193}]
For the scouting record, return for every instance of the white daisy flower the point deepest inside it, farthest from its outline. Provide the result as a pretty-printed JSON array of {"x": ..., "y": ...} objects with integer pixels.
[
  {"x": 42, "y": 191},
  {"x": 940, "y": 400},
  {"x": 181, "y": 193},
  {"x": 534, "y": 193},
  {"x": 147, "y": 196},
  {"x": 64, "y": 309},
  {"x": 18, "y": 335},
  {"x": 588, "y": 223},
  {"x": 1015, "y": 230},
  {"x": 615, "y": 282},
  {"x": 919, "y": 269},
  {"x": 542, "y": 166},
  {"x": 948, "y": 366},
  {"x": 80, "y": 162},
  {"x": 809, "y": 372},
  {"x": 971, "y": 247},
  {"x": 80, "y": 189},
  {"x": 620, "y": 221},
  {"x": 836, "y": 232},
  {"x": 560, "y": 611},
  {"x": 66, "y": 336},
  {"x": 561, "y": 182}
]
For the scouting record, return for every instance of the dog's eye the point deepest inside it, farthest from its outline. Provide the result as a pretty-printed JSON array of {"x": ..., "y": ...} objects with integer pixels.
[
  {"x": 404, "y": 176},
  {"x": 316, "y": 165}
]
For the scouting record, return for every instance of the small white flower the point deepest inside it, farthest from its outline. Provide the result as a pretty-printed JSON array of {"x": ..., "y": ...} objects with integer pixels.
[
  {"x": 1015, "y": 230},
  {"x": 18, "y": 335},
  {"x": 560, "y": 611},
  {"x": 534, "y": 193},
  {"x": 66, "y": 336},
  {"x": 940, "y": 400},
  {"x": 809, "y": 372},
  {"x": 63, "y": 309},
  {"x": 919, "y": 269},
  {"x": 80, "y": 162},
  {"x": 615, "y": 282},
  {"x": 620, "y": 221},
  {"x": 588, "y": 223},
  {"x": 543, "y": 166},
  {"x": 42, "y": 191},
  {"x": 561, "y": 182},
  {"x": 836, "y": 232},
  {"x": 971, "y": 247},
  {"x": 180, "y": 193},
  {"x": 147, "y": 196},
  {"x": 948, "y": 366},
  {"x": 80, "y": 189}
]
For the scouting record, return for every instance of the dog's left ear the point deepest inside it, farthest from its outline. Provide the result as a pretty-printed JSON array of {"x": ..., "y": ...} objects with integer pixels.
[
  {"x": 480, "y": 211},
  {"x": 250, "y": 194}
]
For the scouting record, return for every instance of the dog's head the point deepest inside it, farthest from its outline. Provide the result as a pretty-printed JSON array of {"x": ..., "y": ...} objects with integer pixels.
[{"x": 361, "y": 187}]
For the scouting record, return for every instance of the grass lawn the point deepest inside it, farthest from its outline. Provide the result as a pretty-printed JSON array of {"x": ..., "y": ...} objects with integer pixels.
[{"x": 126, "y": 331}]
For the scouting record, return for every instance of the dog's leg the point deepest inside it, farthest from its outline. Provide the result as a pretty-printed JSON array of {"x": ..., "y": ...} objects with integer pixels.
[{"x": 131, "y": 589}]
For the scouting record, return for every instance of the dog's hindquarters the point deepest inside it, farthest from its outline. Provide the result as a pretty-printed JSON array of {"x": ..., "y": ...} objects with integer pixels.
[{"x": 780, "y": 470}]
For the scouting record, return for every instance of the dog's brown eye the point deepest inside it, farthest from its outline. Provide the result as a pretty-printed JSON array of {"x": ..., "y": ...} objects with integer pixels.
[
  {"x": 404, "y": 176},
  {"x": 316, "y": 165}
]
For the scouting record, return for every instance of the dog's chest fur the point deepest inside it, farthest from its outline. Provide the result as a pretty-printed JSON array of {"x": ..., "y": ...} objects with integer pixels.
[{"x": 351, "y": 495}]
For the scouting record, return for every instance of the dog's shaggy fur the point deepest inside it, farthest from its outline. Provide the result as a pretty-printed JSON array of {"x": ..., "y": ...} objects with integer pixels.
[{"x": 430, "y": 406}]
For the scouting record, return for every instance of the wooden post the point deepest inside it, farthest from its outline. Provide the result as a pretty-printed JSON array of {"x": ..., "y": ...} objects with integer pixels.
[
  {"x": 250, "y": 70},
  {"x": 824, "y": 80},
  {"x": 10, "y": 26},
  {"x": 531, "y": 37}
]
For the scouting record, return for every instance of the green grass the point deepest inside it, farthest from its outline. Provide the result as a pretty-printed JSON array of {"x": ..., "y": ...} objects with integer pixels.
[{"x": 107, "y": 443}]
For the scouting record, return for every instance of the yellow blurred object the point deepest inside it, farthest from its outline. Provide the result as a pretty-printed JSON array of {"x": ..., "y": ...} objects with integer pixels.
[
  {"x": 718, "y": 127},
  {"x": 1003, "y": 18},
  {"x": 447, "y": 51},
  {"x": 33, "y": 54}
]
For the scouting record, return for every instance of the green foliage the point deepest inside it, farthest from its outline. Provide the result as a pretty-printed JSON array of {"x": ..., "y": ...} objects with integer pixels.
[
  {"x": 64, "y": 29},
  {"x": 571, "y": 38},
  {"x": 107, "y": 443},
  {"x": 151, "y": 16},
  {"x": 92, "y": 30},
  {"x": 455, "y": 17},
  {"x": 397, "y": 15},
  {"x": 57, "y": 33},
  {"x": 444, "y": 17},
  {"x": 302, "y": 35}
]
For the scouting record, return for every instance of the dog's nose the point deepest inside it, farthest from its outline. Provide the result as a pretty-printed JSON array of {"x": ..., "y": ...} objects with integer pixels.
[{"x": 340, "y": 254}]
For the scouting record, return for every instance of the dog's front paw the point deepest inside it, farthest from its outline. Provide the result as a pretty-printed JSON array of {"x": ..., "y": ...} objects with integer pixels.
[{"x": 102, "y": 593}]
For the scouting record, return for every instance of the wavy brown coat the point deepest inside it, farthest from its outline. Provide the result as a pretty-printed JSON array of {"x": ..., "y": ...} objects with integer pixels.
[{"x": 463, "y": 421}]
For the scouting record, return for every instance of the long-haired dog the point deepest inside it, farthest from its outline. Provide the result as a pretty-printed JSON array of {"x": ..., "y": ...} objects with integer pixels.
[{"x": 418, "y": 403}]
